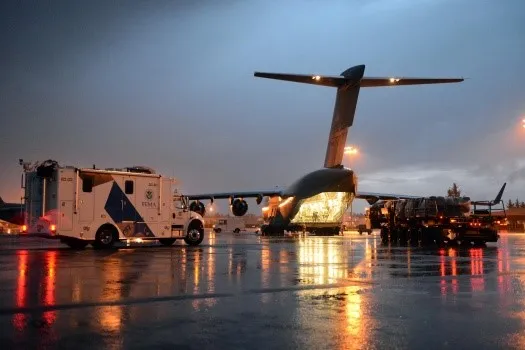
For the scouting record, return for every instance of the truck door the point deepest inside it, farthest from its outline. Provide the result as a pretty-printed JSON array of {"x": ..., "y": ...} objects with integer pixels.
[
  {"x": 86, "y": 200},
  {"x": 128, "y": 209}
]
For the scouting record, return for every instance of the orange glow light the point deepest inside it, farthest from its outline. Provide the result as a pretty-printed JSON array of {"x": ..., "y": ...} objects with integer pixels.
[{"x": 351, "y": 150}]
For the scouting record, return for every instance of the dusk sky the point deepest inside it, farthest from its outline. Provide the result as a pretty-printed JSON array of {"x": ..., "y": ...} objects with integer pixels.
[{"x": 169, "y": 85}]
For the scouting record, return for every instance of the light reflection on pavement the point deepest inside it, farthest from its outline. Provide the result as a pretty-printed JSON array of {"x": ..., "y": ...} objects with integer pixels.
[{"x": 244, "y": 291}]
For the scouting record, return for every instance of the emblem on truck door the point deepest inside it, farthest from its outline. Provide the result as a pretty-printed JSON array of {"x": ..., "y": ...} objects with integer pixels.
[{"x": 149, "y": 194}]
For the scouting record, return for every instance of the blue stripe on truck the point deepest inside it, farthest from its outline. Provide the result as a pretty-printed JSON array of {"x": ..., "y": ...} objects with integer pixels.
[{"x": 118, "y": 212}]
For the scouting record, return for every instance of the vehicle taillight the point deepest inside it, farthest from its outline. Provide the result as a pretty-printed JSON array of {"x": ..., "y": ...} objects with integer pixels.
[{"x": 53, "y": 228}]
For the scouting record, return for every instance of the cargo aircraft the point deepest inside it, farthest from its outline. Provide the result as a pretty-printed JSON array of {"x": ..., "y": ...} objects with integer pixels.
[{"x": 317, "y": 201}]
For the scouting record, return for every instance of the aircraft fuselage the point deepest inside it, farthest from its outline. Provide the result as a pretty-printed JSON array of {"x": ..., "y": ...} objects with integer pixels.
[{"x": 314, "y": 202}]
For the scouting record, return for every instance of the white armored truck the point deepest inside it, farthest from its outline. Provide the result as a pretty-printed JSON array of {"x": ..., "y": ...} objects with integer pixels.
[{"x": 102, "y": 206}]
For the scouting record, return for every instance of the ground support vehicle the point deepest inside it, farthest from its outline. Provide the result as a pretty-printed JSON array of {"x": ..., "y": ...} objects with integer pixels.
[
  {"x": 88, "y": 205},
  {"x": 230, "y": 224}
]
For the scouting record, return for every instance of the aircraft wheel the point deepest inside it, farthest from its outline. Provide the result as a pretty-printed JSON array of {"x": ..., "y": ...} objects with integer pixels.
[{"x": 167, "y": 241}]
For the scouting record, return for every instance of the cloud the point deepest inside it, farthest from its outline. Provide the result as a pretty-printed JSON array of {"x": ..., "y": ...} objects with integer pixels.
[{"x": 171, "y": 85}]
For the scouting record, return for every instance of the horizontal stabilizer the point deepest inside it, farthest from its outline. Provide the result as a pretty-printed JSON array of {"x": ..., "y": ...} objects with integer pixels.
[
  {"x": 338, "y": 81},
  {"x": 383, "y": 81},
  {"x": 323, "y": 80}
]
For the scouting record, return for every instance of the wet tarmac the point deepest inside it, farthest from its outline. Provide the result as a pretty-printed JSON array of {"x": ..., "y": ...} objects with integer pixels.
[{"x": 249, "y": 292}]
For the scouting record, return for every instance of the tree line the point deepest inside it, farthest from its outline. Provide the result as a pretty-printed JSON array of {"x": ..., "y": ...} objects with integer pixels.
[{"x": 516, "y": 204}]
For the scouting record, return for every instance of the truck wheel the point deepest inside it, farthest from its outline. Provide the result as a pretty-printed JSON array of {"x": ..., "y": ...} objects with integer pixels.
[
  {"x": 384, "y": 235},
  {"x": 195, "y": 234},
  {"x": 167, "y": 241},
  {"x": 236, "y": 230},
  {"x": 420, "y": 235},
  {"x": 106, "y": 237}
]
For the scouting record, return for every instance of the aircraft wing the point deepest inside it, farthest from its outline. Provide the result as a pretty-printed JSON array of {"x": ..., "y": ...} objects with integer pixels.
[
  {"x": 372, "y": 197},
  {"x": 236, "y": 194}
]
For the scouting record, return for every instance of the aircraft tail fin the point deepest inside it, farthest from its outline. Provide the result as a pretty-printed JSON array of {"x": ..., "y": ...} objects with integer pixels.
[
  {"x": 495, "y": 201},
  {"x": 348, "y": 85},
  {"x": 343, "y": 116},
  {"x": 500, "y": 194}
]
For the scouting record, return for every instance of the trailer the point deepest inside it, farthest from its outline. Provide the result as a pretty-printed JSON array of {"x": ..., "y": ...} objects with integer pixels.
[
  {"x": 438, "y": 220},
  {"x": 81, "y": 206}
]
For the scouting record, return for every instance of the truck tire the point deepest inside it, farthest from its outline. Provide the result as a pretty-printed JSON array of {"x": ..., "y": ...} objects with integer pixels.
[
  {"x": 420, "y": 236},
  {"x": 236, "y": 230},
  {"x": 384, "y": 235},
  {"x": 195, "y": 233},
  {"x": 105, "y": 237},
  {"x": 167, "y": 241}
]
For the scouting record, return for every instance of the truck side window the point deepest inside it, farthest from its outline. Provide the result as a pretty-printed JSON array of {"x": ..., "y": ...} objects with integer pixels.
[
  {"x": 87, "y": 184},
  {"x": 128, "y": 187}
]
